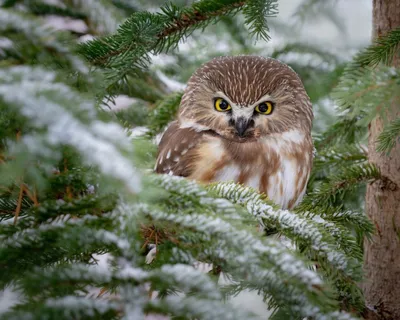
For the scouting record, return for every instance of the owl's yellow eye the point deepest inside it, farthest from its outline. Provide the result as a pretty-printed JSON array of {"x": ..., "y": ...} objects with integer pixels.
[
  {"x": 265, "y": 107},
  {"x": 222, "y": 105}
]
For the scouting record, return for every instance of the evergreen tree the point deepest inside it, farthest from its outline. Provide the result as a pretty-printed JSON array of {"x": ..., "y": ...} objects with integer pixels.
[{"x": 80, "y": 206}]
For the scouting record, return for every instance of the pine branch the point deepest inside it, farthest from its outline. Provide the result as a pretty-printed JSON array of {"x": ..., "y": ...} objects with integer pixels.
[
  {"x": 43, "y": 97},
  {"x": 163, "y": 112},
  {"x": 196, "y": 308},
  {"x": 389, "y": 136},
  {"x": 297, "y": 228},
  {"x": 338, "y": 185},
  {"x": 382, "y": 50},
  {"x": 127, "y": 52},
  {"x": 254, "y": 252},
  {"x": 302, "y": 48},
  {"x": 349, "y": 219},
  {"x": 338, "y": 156},
  {"x": 52, "y": 45},
  {"x": 256, "y": 13},
  {"x": 103, "y": 15},
  {"x": 363, "y": 94},
  {"x": 44, "y": 8},
  {"x": 342, "y": 133},
  {"x": 309, "y": 9}
]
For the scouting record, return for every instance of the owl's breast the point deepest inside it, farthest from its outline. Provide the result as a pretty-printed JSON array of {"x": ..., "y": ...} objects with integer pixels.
[{"x": 277, "y": 166}]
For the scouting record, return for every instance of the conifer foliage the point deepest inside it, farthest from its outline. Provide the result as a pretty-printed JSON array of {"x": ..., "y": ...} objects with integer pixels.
[{"x": 79, "y": 206}]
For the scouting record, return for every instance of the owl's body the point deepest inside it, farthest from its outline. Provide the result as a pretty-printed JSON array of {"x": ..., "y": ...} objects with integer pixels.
[{"x": 245, "y": 119}]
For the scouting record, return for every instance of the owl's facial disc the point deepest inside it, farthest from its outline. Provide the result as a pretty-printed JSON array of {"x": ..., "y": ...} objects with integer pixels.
[
  {"x": 239, "y": 118},
  {"x": 242, "y": 119}
]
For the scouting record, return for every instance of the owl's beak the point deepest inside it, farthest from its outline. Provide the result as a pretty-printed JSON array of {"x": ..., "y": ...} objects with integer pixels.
[{"x": 241, "y": 125}]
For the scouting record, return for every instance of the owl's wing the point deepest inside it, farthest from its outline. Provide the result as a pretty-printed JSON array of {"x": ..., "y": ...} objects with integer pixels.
[{"x": 176, "y": 150}]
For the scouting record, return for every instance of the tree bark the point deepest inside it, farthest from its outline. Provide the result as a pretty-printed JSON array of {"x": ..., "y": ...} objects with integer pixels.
[{"x": 382, "y": 254}]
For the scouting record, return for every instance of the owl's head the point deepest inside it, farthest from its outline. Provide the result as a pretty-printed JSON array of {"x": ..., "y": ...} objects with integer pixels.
[{"x": 244, "y": 98}]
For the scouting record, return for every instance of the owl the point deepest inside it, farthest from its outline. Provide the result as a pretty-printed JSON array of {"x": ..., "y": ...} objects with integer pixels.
[{"x": 245, "y": 119}]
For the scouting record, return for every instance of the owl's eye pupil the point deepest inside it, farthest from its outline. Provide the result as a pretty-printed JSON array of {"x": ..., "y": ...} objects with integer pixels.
[
  {"x": 263, "y": 107},
  {"x": 223, "y": 105}
]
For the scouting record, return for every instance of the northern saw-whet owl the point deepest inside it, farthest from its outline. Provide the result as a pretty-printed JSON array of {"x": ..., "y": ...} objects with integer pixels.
[{"x": 245, "y": 119}]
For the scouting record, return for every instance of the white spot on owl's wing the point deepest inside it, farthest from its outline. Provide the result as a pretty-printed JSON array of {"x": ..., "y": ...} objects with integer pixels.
[
  {"x": 228, "y": 173},
  {"x": 254, "y": 182},
  {"x": 286, "y": 176},
  {"x": 306, "y": 175},
  {"x": 273, "y": 191},
  {"x": 168, "y": 154},
  {"x": 215, "y": 146},
  {"x": 294, "y": 136},
  {"x": 289, "y": 180},
  {"x": 193, "y": 125},
  {"x": 285, "y": 140}
]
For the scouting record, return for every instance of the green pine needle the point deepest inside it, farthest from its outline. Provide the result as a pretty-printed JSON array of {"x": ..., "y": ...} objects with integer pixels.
[{"x": 389, "y": 136}]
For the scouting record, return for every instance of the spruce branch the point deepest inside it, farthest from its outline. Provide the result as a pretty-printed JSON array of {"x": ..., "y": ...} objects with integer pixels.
[
  {"x": 343, "y": 132},
  {"x": 44, "y": 8},
  {"x": 104, "y": 17},
  {"x": 389, "y": 136},
  {"x": 338, "y": 156},
  {"x": 317, "y": 235},
  {"x": 76, "y": 123},
  {"x": 309, "y": 9},
  {"x": 127, "y": 52},
  {"x": 257, "y": 255},
  {"x": 348, "y": 218},
  {"x": 256, "y": 13},
  {"x": 382, "y": 50},
  {"x": 365, "y": 93},
  {"x": 163, "y": 112},
  {"x": 338, "y": 185},
  {"x": 53, "y": 45}
]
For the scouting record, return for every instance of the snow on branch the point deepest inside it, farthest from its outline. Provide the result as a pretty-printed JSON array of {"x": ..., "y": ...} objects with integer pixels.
[
  {"x": 295, "y": 227},
  {"x": 64, "y": 114}
]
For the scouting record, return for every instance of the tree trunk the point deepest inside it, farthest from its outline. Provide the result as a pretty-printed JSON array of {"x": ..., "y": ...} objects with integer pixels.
[{"x": 382, "y": 254}]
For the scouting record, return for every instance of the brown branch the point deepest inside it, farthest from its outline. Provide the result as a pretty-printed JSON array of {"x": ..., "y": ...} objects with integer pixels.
[
  {"x": 189, "y": 20},
  {"x": 186, "y": 20},
  {"x": 19, "y": 204}
]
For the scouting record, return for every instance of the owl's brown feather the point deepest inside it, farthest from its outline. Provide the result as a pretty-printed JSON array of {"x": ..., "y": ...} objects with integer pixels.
[{"x": 176, "y": 150}]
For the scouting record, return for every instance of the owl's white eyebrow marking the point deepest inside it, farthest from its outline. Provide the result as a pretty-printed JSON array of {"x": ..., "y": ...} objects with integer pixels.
[
  {"x": 264, "y": 98},
  {"x": 220, "y": 94}
]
